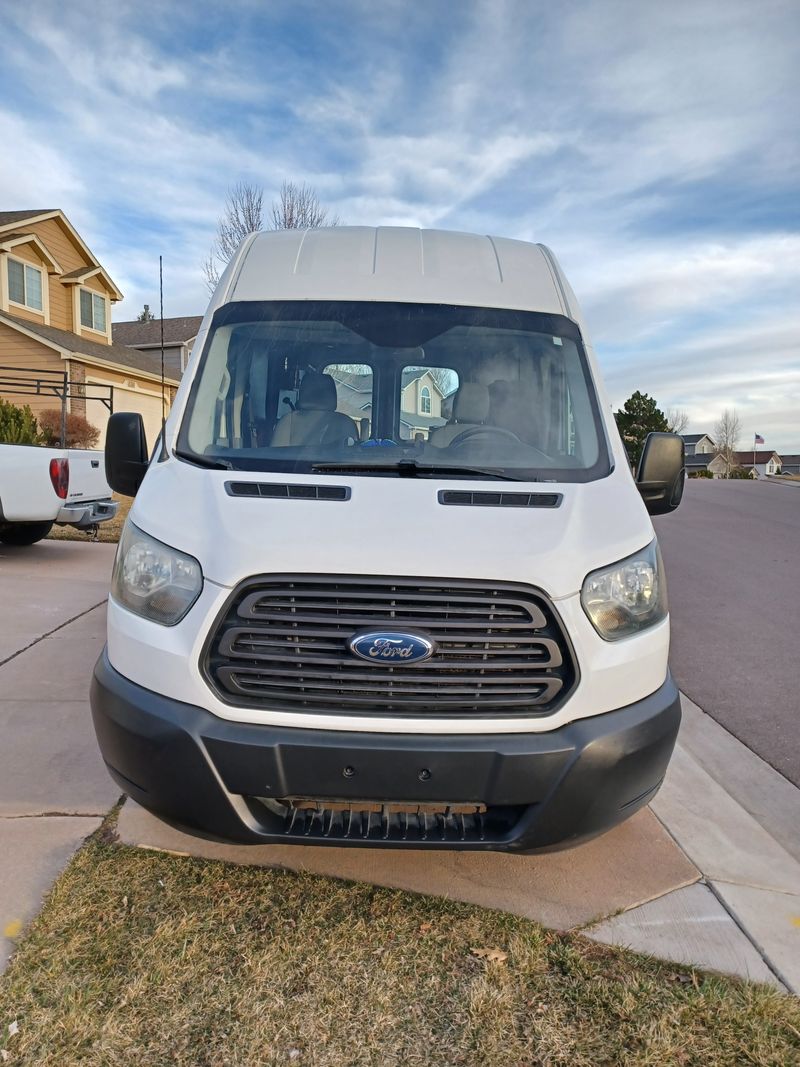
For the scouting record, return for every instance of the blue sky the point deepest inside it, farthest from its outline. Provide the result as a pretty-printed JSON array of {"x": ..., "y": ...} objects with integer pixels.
[{"x": 655, "y": 147}]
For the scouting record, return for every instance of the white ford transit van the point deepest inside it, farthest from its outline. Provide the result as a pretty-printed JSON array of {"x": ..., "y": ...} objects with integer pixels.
[{"x": 388, "y": 579}]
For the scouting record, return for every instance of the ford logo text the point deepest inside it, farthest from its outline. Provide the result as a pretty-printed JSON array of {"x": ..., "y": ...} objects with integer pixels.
[{"x": 380, "y": 646}]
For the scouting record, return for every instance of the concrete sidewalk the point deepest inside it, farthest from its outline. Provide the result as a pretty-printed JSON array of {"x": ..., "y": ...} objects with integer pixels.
[{"x": 710, "y": 875}]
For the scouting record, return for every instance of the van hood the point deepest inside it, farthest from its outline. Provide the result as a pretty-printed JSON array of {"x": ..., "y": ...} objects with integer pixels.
[{"x": 392, "y": 526}]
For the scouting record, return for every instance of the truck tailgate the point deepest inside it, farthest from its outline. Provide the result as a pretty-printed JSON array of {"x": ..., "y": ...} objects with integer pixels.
[{"x": 87, "y": 475}]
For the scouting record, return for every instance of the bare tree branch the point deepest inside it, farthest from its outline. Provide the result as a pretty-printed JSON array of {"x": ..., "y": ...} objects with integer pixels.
[
  {"x": 210, "y": 272},
  {"x": 298, "y": 208},
  {"x": 243, "y": 215},
  {"x": 727, "y": 432},
  {"x": 677, "y": 420}
]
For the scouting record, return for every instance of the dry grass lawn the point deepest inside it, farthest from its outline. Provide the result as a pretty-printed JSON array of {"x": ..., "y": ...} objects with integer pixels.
[
  {"x": 142, "y": 958},
  {"x": 109, "y": 531}
]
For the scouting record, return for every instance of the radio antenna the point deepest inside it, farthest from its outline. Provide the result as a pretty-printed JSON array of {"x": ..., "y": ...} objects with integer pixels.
[{"x": 164, "y": 454}]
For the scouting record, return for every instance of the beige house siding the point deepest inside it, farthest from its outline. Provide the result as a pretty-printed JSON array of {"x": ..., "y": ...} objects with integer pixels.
[
  {"x": 19, "y": 352},
  {"x": 30, "y": 253},
  {"x": 412, "y": 394},
  {"x": 718, "y": 467},
  {"x": 26, "y": 313}
]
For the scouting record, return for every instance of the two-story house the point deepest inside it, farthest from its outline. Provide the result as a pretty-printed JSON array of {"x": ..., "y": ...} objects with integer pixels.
[
  {"x": 702, "y": 455},
  {"x": 55, "y": 326},
  {"x": 420, "y": 401}
]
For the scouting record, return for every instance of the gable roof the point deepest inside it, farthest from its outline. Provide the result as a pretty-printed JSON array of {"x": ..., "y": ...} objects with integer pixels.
[
  {"x": 748, "y": 458},
  {"x": 693, "y": 438},
  {"x": 9, "y": 219},
  {"x": 76, "y": 346},
  {"x": 9, "y": 241},
  {"x": 359, "y": 383},
  {"x": 176, "y": 331}
]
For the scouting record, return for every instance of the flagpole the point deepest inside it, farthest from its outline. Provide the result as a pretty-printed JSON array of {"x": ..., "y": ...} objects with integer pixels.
[{"x": 755, "y": 435}]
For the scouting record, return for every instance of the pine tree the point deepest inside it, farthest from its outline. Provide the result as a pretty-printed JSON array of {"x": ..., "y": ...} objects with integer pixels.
[{"x": 639, "y": 416}]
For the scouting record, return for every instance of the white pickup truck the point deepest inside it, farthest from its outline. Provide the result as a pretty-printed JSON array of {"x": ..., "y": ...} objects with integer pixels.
[{"x": 43, "y": 486}]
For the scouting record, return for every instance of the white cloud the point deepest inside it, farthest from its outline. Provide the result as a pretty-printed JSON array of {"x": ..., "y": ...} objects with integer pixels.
[{"x": 602, "y": 128}]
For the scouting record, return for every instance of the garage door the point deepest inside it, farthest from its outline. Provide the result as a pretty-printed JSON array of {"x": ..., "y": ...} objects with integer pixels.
[{"x": 148, "y": 406}]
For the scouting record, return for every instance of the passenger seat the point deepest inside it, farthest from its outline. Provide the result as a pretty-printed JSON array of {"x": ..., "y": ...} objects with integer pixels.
[{"x": 316, "y": 420}]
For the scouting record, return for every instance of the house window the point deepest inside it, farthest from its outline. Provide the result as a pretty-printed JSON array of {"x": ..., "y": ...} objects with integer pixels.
[
  {"x": 25, "y": 284},
  {"x": 93, "y": 310},
  {"x": 425, "y": 401}
]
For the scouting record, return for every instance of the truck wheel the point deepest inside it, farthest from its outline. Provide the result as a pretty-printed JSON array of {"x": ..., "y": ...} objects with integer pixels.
[{"x": 24, "y": 533}]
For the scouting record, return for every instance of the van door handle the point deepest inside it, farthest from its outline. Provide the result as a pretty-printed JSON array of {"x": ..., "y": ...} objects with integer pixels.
[{"x": 95, "y": 462}]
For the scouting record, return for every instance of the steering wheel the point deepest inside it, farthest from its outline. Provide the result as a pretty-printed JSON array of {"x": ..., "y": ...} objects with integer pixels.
[
  {"x": 482, "y": 431},
  {"x": 497, "y": 431}
]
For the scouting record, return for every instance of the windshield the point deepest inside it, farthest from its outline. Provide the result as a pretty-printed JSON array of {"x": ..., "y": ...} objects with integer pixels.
[{"x": 394, "y": 389}]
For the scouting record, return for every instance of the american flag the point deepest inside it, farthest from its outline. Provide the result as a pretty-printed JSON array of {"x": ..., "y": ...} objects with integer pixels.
[{"x": 758, "y": 439}]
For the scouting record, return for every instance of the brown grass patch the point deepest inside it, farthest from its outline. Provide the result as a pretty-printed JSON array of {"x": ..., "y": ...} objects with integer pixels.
[{"x": 144, "y": 958}]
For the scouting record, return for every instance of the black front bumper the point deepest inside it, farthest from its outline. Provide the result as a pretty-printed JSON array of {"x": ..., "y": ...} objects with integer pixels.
[{"x": 539, "y": 791}]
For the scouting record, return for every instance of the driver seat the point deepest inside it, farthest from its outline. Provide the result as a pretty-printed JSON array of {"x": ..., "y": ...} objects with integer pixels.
[
  {"x": 315, "y": 420},
  {"x": 470, "y": 410}
]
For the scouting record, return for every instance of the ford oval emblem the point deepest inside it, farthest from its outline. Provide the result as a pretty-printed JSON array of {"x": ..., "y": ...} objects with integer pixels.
[{"x": 390, "y": 646}]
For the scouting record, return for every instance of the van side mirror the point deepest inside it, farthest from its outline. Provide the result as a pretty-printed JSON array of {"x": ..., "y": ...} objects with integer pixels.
[
  {"x": 126, "y": 452},
  {"x": 661, "y": 472}
]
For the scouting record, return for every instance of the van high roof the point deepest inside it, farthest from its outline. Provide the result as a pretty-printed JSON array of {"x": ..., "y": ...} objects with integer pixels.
[{"x": 400, "y": 264}]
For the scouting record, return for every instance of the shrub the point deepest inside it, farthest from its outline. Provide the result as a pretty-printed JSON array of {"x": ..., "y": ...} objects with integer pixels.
[
  {"x": 701, "y": 474},
  {"x": 18, "y": 425},
  {"x": 80, "y": 432},
  {"x": 739, "y": 472}
]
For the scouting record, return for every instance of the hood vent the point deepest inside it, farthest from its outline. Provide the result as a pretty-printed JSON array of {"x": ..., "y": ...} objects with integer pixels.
[
  {"x": 288, "y": 491},
  {"x": 465, "y": 498}
]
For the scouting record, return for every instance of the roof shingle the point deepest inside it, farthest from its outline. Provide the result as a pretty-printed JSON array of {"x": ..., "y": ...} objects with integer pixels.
[
  {"x": 176, "y": 331},
  {"x": 7, "y": 217}
]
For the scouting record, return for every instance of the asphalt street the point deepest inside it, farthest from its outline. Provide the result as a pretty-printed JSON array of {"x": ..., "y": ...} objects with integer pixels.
[{"x": 732, "y": 554}]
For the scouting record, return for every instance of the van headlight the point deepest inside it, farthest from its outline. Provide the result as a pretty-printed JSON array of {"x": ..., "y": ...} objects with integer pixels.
[
  {"x": 152, "y": 579},
  {"x": 628, "y": 596}
]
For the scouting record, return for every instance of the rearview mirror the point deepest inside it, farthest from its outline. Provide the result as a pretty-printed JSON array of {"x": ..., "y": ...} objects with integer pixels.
[
  {"x": 661, "y": 472},
  {"x": 126, "y": 452}
]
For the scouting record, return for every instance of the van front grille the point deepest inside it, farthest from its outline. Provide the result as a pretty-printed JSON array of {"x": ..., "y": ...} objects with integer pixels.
[{"x": 282, "y": 642}]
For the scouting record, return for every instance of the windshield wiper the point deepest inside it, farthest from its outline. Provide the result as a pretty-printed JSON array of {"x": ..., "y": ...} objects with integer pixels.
[
  {"x": 409, "y": 468},
  {"x": 205, "y": 461}
]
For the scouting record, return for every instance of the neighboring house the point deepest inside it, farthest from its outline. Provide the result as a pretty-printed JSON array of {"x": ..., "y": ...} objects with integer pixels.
[
  {"x": 790, "y": 464},
  {"x": 759, "y": 464},
  {"x": 710, "y": 461},
  {"x": 696, "y": 444},
  {"x": 55, "y": 320},
  {"x": 420, "y": 404},
  {"x": 179, "y": 337}
]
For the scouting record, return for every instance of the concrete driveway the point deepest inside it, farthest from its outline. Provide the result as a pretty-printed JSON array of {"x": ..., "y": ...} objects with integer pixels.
[
  {"x": 54, "y": 791},
  {"x": 54, "y": 788}
]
